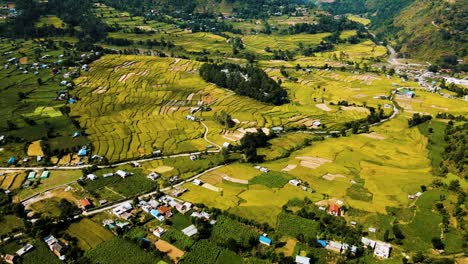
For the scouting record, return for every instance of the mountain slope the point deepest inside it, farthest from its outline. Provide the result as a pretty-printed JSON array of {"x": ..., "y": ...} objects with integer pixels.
[{"x": 431, "y": 29}]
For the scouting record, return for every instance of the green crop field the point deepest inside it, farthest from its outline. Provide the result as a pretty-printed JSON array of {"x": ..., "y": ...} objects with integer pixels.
[
  {"x": 89, "y": 234},
  {"x": 119, "y": 250}
]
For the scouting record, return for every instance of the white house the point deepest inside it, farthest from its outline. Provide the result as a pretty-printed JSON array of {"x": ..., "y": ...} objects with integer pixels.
[
  {"x": 382, "y": 249},
  {"x": 122, "y": 174},
  {"x": 153, "y": 176},
  {"x": 190, "y": 230},
  {"x": 159, "y": 231},
  {"x": 197, "y": 182},
  {"x": 91, "y": 177},
  {"x": 295, "y": 182},
  {"x": 302, "y": 260}
]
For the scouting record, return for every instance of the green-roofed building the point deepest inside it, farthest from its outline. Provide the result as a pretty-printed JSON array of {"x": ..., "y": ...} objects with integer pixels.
[
  {"x": 32, "y": 175},
  {"x": 45, "y": 174}
]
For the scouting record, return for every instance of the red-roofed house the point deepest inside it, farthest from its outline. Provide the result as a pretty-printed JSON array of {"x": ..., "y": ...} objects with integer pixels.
[
  {"x": 166, "y": 211},
  {"x": 334, "y": 210},
  {"x": 85, "y": 204}
]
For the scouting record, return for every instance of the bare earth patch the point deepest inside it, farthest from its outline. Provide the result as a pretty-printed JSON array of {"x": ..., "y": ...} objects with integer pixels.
[
  {"x": 125, "y": 77},
  {"x": 374, "y": 136},
  {"x": 174, "y": 253},
  {"x": 323, "y": 107},
  {"x": 163, "y": 169},
  {"x": 332, "y": 177},
  {"x": 211, "y": 187},
  {"x": 228, "y": 178},
  {"x": 35, "y": 149},
  {"x": 23, "y": 60},
  {"x": 312, "y": 162},
  {"x": 290, "y": 167},
  {"x": 355, "y": 108},
  {"x": 440, "y": 108}
]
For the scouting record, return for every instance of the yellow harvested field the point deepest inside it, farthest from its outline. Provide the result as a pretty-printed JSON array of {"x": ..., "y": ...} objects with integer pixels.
[
  {"x": 163, "y": 169},
  {"x": 323, "y": 107},
  {"x": 35, "y": 149},
  {"x": 290, "y": 167},
  {"x": 373, "y": 135},
  {"x": 174, "y": 253},
  {"x": 332, "y": 177},
  {"x": 312, "y": 162}
]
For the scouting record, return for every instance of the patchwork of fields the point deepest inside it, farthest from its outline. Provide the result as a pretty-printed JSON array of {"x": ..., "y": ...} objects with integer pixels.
[{"x": 132, "y": 106}]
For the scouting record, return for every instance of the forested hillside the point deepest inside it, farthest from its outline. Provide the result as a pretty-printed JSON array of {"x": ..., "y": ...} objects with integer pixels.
[{"x": 421, "y": 29}]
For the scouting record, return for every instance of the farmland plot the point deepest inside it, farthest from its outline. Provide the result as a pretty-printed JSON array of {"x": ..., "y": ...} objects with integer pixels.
[{"x": 131, "y": 106}]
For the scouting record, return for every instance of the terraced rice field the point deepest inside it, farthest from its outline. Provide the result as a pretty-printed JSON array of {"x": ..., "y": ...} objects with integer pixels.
[{"x": 133, "y": 105}]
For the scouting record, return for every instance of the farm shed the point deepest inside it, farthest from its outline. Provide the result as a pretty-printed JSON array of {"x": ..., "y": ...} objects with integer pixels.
[
  {"x": 31, "y": 175},
  {"x": 82, "y": 152},
  {"x": 265, "y": 240},
  {"x": 24, "y": 250},
  {"x": 302, "y": 260},
  {"x": 45, "y": 174},
  {"x": 190, "y": 230},
  {"x": 322, "y": 243},
  {"x": 11, "y": 160},
  {"x": 122, "y": 174}
]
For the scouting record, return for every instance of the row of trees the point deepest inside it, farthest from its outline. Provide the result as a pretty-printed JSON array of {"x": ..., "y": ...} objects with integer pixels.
[
  {"x": 418, "y": 119},
  {"x": 247, "y": 81}
]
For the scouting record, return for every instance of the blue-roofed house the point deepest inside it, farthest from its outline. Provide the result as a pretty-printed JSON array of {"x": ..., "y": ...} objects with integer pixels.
[
  {"x": 82, "y": 152},
  {"x": 322, "y": 243},
  {"x": 11, "y": 160},
  {"x": 265, "y": 240},
  {"x": 155, "y": 213},
  {"x": 72, "y": 100}
]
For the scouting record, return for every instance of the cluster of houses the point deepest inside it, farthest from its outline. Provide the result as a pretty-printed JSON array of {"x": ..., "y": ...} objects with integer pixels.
[
  {"x": 9, "y": 258},
  {"x": 414, "y": 196},
  {"x": 262, "y": 169},
  {"x": 8, "y": 10},
  {"x": 57, "y": 246},
  {"x": 120, "y": 173},
  {"x": 380, "y": 248},
  {"x": 32, "y": 175},
  {"x": 298, "y": 183}
]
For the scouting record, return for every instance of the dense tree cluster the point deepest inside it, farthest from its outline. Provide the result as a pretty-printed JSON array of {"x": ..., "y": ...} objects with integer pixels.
[
  {"x": 247, "y": 81},
  {"x": 456, "y": 151},
  {"x": 418, "y": 119},
  {"x": 73, "y": 13},
  {"x": 249, "y": 144},
  {"x": 324, "y": 24},
  {"x": 224, "y": 119}
]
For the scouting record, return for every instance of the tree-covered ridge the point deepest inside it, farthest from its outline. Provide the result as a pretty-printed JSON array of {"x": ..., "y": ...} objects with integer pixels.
[
  {"x": 246, "y": 81},
  {"x": 78, "y": 16},
  {"x": 456, "y": 151}
]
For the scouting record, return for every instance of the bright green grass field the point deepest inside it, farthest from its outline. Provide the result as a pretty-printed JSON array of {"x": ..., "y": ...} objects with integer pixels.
[
  {"x": 119, "y": 250},
  {"x": 8, "y": 223},
  {"x": 56, "y": 178},
  {"x": 89, "y": 234}
]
